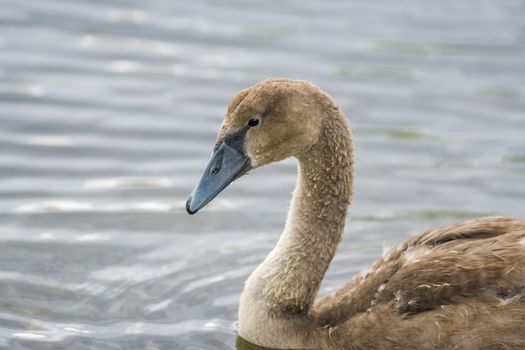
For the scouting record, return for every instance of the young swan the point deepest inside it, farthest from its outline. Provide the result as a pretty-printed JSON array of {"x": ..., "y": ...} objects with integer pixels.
[{"x": 457, "y": 287}]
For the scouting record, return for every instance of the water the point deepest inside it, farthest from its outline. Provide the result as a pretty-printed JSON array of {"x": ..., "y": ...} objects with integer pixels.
[{"x": 109, "y": 110}]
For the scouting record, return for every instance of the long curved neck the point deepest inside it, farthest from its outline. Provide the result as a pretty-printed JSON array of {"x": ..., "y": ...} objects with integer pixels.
[{"x": 289, "y": 278}]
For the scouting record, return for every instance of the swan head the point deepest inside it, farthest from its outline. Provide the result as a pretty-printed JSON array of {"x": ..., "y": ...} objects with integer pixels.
[{"x": 268, "y": 122}]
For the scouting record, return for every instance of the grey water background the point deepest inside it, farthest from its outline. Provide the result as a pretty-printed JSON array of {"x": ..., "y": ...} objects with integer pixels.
[{"x": 108, "y": 113}]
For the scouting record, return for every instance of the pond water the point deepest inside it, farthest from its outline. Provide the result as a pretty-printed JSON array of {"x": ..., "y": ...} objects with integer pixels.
[{"x": 109, "y": 110}]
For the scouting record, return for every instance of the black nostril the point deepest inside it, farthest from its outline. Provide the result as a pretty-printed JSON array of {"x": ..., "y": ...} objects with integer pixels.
[
  {"x": 216, "y": 167},
  {"x": 217, "y": 162}
]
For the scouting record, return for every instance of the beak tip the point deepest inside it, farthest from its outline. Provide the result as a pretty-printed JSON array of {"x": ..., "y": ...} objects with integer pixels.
[{"x": 188, "y": 207}]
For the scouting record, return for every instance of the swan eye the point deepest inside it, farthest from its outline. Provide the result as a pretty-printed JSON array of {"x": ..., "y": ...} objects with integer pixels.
[{"x": 253, "y": 122}]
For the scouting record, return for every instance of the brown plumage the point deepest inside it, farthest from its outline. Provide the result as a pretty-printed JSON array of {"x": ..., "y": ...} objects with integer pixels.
[{"x": 458, "y": 287}]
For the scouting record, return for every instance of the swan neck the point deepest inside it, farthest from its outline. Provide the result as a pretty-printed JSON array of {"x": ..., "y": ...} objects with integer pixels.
[{"x": 290, "y": 277}]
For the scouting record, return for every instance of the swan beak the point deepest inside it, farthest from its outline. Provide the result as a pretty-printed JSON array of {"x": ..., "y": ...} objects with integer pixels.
[{"x": 226, "y": 165}]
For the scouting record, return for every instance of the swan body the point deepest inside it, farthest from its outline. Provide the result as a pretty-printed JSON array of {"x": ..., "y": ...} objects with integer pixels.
[{"x": 457, "y": 287}]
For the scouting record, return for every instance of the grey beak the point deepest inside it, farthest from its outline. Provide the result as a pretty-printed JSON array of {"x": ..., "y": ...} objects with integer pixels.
[{"x": 226, "y": 165}]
